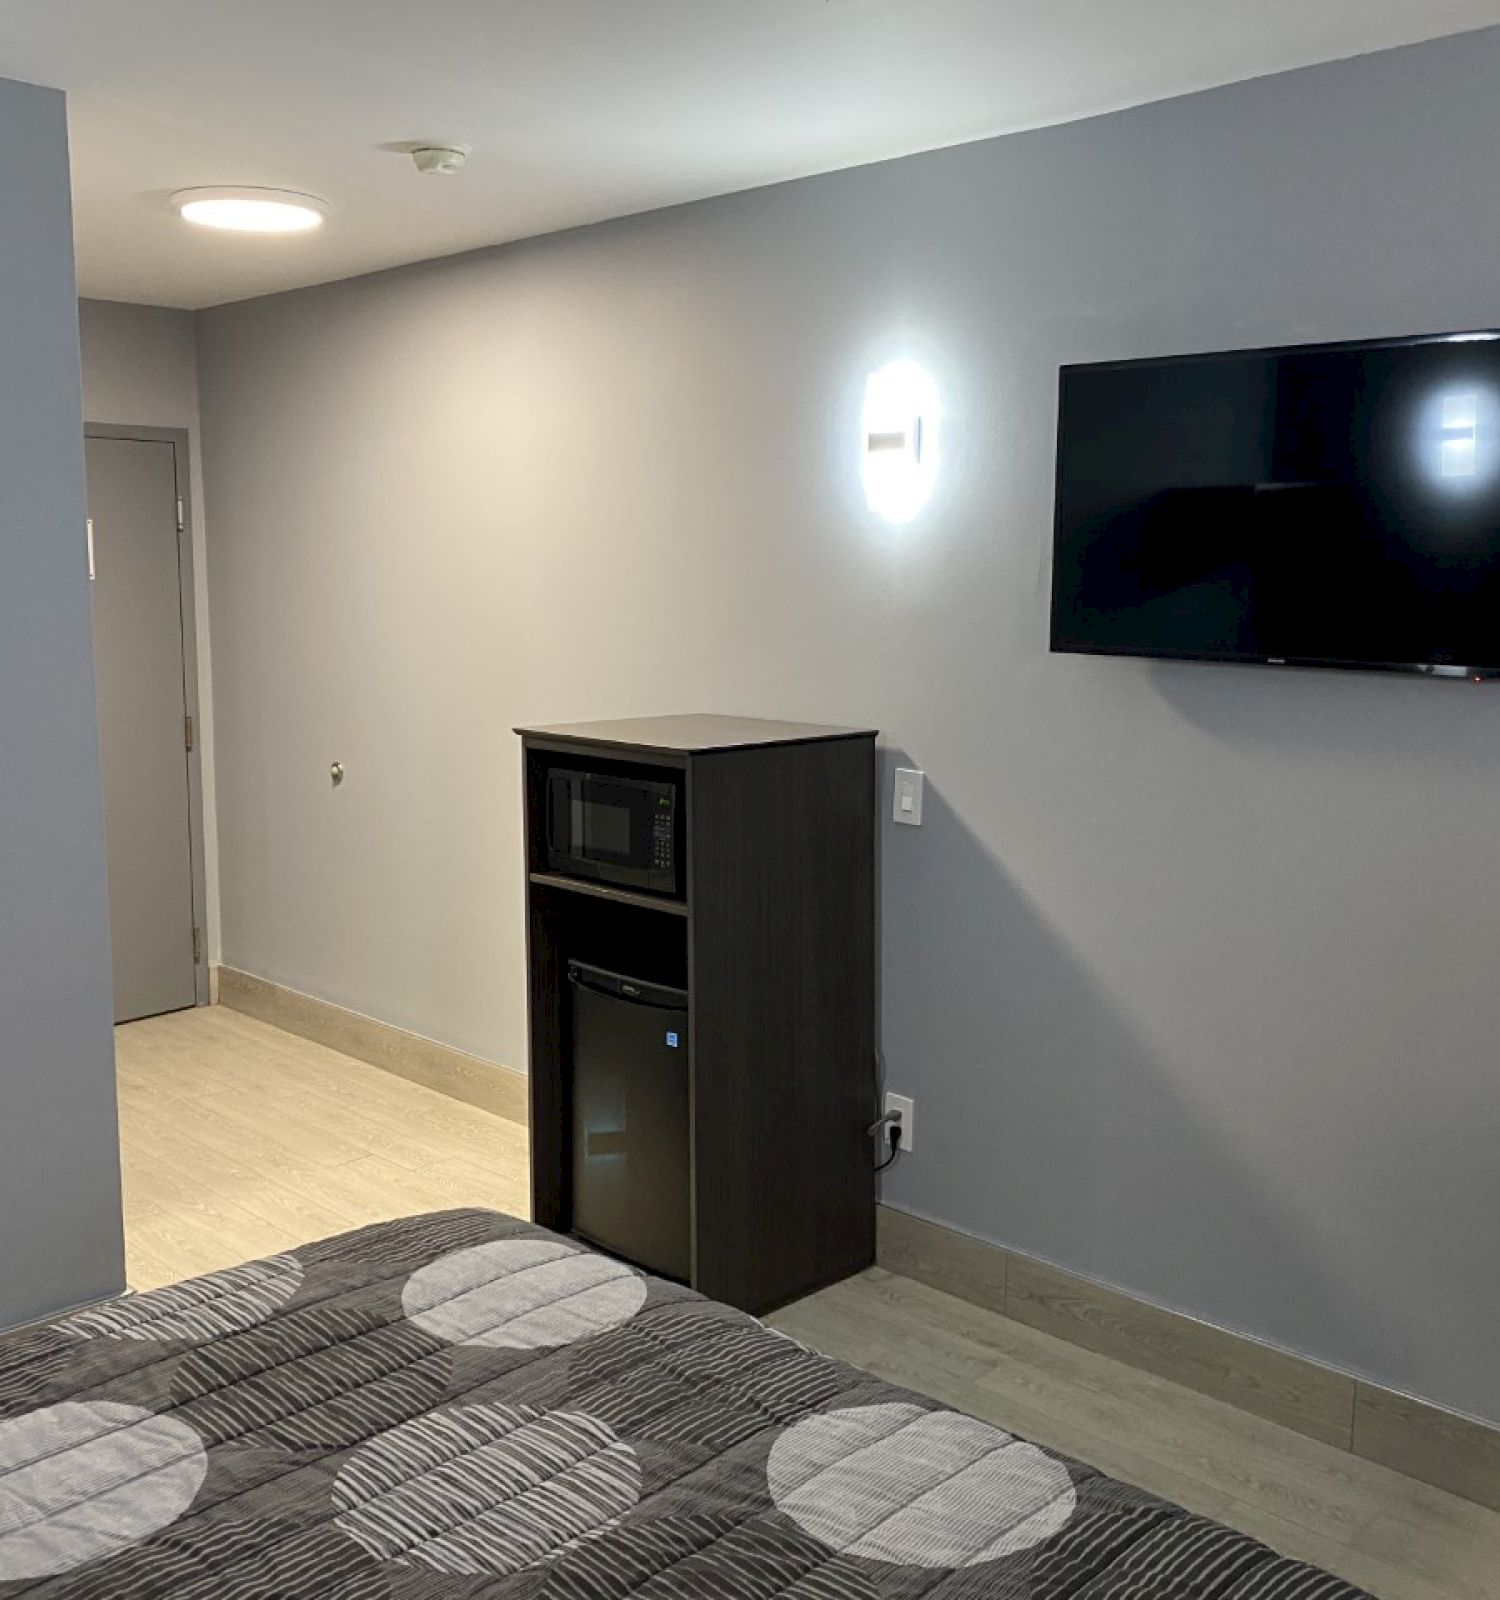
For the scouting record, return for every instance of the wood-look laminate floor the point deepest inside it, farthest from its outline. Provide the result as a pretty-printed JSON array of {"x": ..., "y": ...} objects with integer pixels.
[{"x": 240, "y": 1140}]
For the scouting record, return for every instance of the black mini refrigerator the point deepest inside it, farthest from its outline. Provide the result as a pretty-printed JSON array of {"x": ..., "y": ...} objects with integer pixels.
[{"x": 629, "y": 1090}]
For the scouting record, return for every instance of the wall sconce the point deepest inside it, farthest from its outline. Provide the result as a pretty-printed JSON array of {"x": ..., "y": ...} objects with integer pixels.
[{"x": 899, "y": 435}]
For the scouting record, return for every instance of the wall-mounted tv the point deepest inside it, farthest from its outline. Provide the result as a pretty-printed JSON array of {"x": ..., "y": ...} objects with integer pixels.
[{"x": 1328, "y": 505}]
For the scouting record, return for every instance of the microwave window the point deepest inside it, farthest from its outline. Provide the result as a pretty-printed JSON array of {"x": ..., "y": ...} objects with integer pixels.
[{"x": 605, "y": 829}]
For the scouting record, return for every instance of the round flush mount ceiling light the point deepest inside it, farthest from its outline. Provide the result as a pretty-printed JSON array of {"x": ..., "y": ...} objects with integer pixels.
[{"x": 242, "y": 210}]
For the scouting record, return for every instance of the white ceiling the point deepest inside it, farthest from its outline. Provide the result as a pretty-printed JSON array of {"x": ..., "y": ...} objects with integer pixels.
[{"x": 583, "y": 109}]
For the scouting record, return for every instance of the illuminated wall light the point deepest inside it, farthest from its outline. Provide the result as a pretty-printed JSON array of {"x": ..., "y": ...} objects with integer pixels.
[{"x": 899, "y": 440}]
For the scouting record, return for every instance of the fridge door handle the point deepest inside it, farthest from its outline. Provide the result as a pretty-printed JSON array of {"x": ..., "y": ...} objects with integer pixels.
[{"x": 627, "y": 994}]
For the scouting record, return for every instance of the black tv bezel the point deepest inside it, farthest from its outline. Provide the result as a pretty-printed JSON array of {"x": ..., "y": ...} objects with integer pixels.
[{"x": 1442, "y": 671}]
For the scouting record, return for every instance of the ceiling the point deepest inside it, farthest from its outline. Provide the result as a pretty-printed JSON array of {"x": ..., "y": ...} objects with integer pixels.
[{"x": 582, "y": 109}]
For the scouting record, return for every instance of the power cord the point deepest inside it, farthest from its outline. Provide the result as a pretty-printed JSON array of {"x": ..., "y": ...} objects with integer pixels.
[
  {"x": 895, "y": 1138},
  {"x": 891, "y": 1124}
]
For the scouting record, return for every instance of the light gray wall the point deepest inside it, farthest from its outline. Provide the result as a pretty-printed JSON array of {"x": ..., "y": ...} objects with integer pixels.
[
  {"x": 140, "y": 369},
  {"x": 60, "y": 1238},
  {"x": 1191, "y": 970}
]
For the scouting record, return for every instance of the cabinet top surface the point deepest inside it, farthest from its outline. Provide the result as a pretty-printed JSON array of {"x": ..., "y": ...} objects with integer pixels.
[{"x": 692, "y": 732}]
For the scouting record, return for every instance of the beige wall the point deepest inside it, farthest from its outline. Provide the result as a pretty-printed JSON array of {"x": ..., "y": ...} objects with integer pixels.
[{"x": 140, "y": 368}]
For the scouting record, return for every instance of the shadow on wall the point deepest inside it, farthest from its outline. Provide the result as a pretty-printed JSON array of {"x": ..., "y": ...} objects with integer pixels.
[
  {"x": 1439, "y": 723},
  {"x": 1049, "y": 1123}
]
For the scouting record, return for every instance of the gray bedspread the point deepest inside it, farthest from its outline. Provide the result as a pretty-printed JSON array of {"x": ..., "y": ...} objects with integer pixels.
[{"x": 463, "y": 1405}]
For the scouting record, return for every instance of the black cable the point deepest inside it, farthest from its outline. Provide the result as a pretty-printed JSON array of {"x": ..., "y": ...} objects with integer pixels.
[
  {"x": 895, "y": 1147},
  {"x": 881, "y": 1121}
]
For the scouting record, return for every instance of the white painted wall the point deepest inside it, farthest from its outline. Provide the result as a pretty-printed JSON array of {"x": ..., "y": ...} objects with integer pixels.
[
  {"x": 140, "y": 369},
  {"x": 1190, "y": 970},
  {"x": 60, "y": 1227}
]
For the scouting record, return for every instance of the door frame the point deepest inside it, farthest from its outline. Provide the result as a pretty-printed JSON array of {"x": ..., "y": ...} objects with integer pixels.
[{"x": 187, "y": 594}]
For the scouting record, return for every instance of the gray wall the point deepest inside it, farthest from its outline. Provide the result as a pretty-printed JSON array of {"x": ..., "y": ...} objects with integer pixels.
[
  {"x": 1191, "y": 971},
  {"x": 60, "y": 1240},
  {"x": 140, "y": 369}
]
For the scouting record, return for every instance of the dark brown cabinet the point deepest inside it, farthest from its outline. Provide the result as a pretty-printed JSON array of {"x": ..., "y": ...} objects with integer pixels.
[{"x": 772, "y": 936}]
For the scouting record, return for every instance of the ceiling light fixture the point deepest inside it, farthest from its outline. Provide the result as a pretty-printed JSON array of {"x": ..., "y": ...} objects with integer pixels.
[{"x": 242, "y": 210}]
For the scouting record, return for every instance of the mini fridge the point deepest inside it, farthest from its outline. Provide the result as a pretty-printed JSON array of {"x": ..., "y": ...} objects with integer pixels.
[{"x": 628, "y": 1079}]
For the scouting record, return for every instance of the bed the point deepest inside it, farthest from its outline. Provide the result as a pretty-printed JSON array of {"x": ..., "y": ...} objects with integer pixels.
[{"x": 463, "y": 1405}]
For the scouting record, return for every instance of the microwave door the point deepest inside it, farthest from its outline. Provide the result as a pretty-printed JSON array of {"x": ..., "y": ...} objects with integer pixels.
[
  {"x": 603, "y": 824},
  {"x": 619, "y": 830}
]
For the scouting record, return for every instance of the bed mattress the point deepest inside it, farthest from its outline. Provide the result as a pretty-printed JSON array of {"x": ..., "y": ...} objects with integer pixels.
[{"x": 462, "y": 1405}]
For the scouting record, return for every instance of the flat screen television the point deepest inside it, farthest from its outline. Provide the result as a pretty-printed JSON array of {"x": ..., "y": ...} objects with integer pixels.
[{"x": 1328, "y": 505}]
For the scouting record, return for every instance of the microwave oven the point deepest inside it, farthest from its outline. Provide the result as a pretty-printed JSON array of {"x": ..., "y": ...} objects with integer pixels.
[{"x": 617, "y": 829}]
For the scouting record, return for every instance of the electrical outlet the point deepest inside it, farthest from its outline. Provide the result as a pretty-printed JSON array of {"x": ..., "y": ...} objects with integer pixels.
[{"x": 899, "y": 1103}]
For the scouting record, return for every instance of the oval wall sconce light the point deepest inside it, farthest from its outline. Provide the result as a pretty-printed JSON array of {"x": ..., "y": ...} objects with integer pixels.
[{"x": 899, "y": 439}]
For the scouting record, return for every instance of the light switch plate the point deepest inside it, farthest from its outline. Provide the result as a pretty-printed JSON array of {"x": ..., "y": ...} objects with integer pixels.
[{"x": 906, "y": 804}]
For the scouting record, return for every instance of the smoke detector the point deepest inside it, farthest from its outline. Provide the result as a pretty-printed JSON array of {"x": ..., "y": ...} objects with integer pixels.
[{"x": 440, "y": 159}]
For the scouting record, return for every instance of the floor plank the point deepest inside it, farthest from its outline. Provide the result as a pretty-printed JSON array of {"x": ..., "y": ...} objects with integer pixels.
[
  {"x": 1314, "y": 1400},
  {"x": 239, "y": 1140}
]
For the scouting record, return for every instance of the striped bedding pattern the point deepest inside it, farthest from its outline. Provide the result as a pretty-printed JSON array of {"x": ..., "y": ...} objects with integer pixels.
[{"x": 461, "y": 1405}]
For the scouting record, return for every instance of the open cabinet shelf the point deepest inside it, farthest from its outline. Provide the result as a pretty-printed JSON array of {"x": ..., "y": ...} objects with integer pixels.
[{"x": 604, "y": 891}]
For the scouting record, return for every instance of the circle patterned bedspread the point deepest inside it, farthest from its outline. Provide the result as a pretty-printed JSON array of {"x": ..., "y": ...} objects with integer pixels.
[{"x": 461, "y": 1405}]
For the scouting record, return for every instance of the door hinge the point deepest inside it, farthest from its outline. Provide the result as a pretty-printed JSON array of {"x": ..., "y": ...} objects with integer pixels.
[
  {"x": 188, "y": 733},
  {"x": 197, "y": 947},
  {"x": 89, "y": 524},
  {"x": 181, "y": 519}
]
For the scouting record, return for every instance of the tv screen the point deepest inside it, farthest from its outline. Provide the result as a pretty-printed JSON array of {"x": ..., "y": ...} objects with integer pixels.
[{"x": 1331, "y": 505}]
